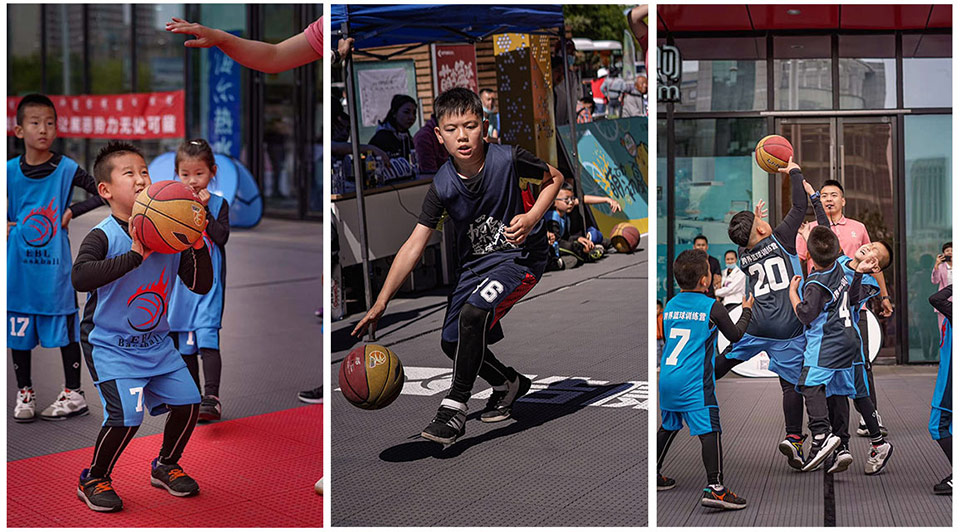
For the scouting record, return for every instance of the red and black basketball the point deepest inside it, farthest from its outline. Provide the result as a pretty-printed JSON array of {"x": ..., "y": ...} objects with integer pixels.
[
  {"x": 773, "y": 152},
  {"x": 625, "y": 237},
  {"x": 168, "y": 217},
  {"x": 371, "y": 376}
]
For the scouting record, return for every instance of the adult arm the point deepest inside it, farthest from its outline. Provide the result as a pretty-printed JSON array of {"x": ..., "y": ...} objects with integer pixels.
[
  {"x": 941, "y": 302},
  {"x": 92, "y": 269},
  {"x": 256, "y": 55},
  {"x": 720, "y": 317}
]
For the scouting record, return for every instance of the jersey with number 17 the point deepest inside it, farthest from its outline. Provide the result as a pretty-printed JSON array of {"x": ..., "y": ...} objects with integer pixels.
[
  {"x": 686, "y": 369},
  {"x": 769, "y": 268}
]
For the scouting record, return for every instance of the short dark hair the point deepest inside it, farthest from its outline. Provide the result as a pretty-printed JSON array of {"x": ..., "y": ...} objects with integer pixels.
[
  {"x": 945, "y": 246},
  {"x": 823, "y": 245},
  {"x": 34, "y": 100},
  {"x": 195, "y": 149},
  {"x": 103, "y": 164},
  {"x": 398, "y": 101},
  {"x": 566, "y": 186},
  {"x": 741, "y": 225},
  {"x": 889, "y": 249},
  {"x": 586, "y": 100},
  {"x": 486, "y": 90},
  {"x": 457, "y": 101},
  {"x": 690, "y": 267},
  {"x": 700, "y": 237},
  {"x": 832, "y": 183},
  {"x": 728, "y": 252}
]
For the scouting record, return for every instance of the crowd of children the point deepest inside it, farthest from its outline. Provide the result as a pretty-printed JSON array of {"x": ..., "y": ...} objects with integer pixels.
[
  {"x": 135, "y": 365},
  {"x": 810, "y": 328}
]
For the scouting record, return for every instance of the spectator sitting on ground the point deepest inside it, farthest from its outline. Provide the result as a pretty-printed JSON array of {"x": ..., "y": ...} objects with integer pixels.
[
  {"x": 585, "y": 110},
  {"x": 573, "y": 245},
  {"x": 732, "y": 282}
]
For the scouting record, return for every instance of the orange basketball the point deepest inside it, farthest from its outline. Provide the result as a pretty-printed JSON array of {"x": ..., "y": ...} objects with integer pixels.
[
  {"x": 773, "y": 152},
  {"x": 371, "y": 376},
  {"x": 168, "y": 217},
  {"x": 625, "y": 237}
]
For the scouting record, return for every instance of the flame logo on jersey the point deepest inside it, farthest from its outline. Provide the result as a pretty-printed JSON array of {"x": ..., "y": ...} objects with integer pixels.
[
  {"x": 40, "y": 226},
  {"x": 147, "y": 305}
]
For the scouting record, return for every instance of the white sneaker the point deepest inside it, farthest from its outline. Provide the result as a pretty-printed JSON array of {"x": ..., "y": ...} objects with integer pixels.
[
  {"x": 26, "y": 409},
  {"x": 879, "y": 456},
  {"x": 70, "y": 403}
]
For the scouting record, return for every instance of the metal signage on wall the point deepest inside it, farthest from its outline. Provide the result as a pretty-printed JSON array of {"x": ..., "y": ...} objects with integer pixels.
[
  {"x": 669, "y": 69},
  {"x": 224, "y": 123}
]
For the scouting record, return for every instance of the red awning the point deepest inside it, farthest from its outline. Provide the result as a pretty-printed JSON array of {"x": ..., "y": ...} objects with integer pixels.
[{"x": 740, "y": 17}]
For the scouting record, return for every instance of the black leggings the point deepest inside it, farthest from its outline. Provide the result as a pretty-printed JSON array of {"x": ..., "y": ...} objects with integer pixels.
[
  {"x": 711, "y": 452},
  {"x": 70, "y": 354},
  {"x": 471, "y": 356},
  {"x": 212, "y": 366},
  {"x": 113, "y": 440}
]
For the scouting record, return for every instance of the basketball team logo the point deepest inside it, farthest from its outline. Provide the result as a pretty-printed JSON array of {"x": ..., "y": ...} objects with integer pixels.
[
  {"x": 377, "y": 358},
  {"x": 198, "y": 215},
  {"x": 147, "y": 305},
  {"x": 40, "y": 226}
]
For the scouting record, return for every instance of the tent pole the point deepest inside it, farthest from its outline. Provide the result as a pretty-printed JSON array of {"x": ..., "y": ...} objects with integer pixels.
[
  {"x": 358, "y": 178},
  {"x": 571, "y": 116}
]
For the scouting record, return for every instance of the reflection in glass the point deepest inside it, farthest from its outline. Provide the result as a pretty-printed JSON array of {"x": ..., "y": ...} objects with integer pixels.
[
  {"x": 927, "y": 151},
  {"x": 723, "y": 86},
  {"x": 279, "y": 186},
  {"x": 802, "y": 84},
  {"x": 159, "y": 59},
  {"x": 927, "y": 82},
  {"x": 868, "y": 83}
]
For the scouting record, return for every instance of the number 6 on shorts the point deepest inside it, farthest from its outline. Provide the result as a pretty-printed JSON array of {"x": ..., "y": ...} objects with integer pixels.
[{"x": 491, "y": 291}]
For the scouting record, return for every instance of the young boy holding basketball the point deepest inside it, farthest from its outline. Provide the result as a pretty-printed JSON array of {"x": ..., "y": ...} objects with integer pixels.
[
  {"x": 686, "y": 384},
  {"x": 503, "y": 253},
  {"x": 196, "y": 318},
  {"x": 41, "y": 306},
  {"x": 124, "y": 333}
]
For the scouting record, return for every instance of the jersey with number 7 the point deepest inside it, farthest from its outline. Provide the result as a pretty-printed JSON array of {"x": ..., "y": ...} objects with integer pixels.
[
  {"x": 769, "y": 267},
  {"x": 686, "y": 369}
]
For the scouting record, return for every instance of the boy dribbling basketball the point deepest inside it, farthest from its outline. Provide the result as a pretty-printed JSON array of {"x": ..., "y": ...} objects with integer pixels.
[
  {"x": 503, "y": 253},
  {"x": 124, "y": 333}
]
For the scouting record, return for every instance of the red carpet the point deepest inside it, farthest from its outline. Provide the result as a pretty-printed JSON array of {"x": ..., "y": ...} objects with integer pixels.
[{"x": 253, "y": 472}]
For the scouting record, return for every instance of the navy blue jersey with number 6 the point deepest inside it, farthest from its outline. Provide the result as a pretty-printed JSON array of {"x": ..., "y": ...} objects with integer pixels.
[
  {"x": 769, "y": 268},
  {"x": 686, "y": 368}
]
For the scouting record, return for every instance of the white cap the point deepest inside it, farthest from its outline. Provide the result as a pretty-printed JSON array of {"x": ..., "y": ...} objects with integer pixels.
[{"x": 602, "y": 72}]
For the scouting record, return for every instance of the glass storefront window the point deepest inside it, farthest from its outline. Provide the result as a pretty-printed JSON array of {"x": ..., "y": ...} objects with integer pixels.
[
  {"x": 280, "y": 187},
  {"x": 110, "y": 56},
  {"x": 737, "y": 85},
  {"x": 159, "y": 60},
  {"x": 927, "y": 150},
  {"x": 23, "y": 49},
  {"x": 868, "y": 71},
  {"x": 927, "y": 82},
  {"x": 716, "y": 177},
  {"x": 802, "y": 76}
]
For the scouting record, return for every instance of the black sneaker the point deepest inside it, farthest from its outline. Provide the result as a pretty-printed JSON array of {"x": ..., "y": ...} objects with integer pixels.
[
  {"x": 501, "y": 402},
  {"x": 210, "y": 408},
  {"x": 792, "y": 448},
  {"x": 173, "y": 479},
  {"x": 841, "y": 460},
  {"x": 723, "y": 499},
  {"x": 664, "y": 483},
  {"x": 448, "y": 424},
  {"x": 864, "y": 432},
  {"x": 945, "y": 487},
  {"x": 820, "y": 449},
  {"x": 313, "y": 396},
  {"x": 98, "y": 493}
]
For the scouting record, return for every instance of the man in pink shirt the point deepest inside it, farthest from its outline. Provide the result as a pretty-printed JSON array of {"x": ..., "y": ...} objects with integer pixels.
[{"x": 852, "y": 235}]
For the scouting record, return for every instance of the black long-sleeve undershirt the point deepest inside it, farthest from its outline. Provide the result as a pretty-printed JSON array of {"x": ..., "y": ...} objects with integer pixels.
[
  {"x": 815, "y": 295},
  {"x": 721, "y": 318},
  {"x": 92, "y": 269},
  {"x": 786, "y": 231},
  {"x": 941, "y": 302},
  {"x": 218, "y": 229}
]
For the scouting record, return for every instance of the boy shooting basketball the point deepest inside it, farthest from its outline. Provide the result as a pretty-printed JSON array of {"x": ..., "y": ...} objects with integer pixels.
[{"x": 503, "y": 252}]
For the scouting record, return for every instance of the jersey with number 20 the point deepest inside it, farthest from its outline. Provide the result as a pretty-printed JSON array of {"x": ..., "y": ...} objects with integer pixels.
[{"x": 769, "y": 268}]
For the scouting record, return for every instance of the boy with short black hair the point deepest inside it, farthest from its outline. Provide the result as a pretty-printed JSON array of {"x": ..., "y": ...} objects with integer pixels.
[
  {"x": 41, "y": 307},
  {"x": 686, "y": 383},
  {"x": 126, "y": 341},
  {"x": 503, "y": 253}
]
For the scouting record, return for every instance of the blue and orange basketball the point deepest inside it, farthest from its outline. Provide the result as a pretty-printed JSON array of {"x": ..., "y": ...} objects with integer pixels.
[
  {"x": 773, "y": 152},
  {"x": 168, "y": 217},
  {"x": 371, "y": 377}
]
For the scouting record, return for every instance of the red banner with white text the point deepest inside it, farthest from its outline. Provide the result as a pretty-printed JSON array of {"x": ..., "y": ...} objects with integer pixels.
[{"x": 143, "y": 115}]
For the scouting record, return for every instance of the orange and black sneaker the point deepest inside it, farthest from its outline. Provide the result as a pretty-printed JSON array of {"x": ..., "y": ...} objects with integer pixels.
[
  {"x": 98, "y": 493},
  {"x": 173, "y": 479},
  {"x": 664, "y": 483},
  {"x": 722, "y": 498}
]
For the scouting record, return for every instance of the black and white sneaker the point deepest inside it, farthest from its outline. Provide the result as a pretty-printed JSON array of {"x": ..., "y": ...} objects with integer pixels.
[
  {"x": 500, "y": 404},
  {"x": 821, "y": 447},
  {"x": 210, "y": 408},
  {"x": 879, "y": 456},
  {"x": 664, "y": 483},
  {"x": 314, "y": 396},
  {"x": 945, "y": 487},
  {"x": 98, "y": 493},
  {"x": 722, "y": 498},
  {"x": 792, "y": 448},
  {"x": 173, "y": 479},
  {"x": 864, "y": 432},
  {"x": 448, "y": 424},
  {"x": 841, "y": 460}
]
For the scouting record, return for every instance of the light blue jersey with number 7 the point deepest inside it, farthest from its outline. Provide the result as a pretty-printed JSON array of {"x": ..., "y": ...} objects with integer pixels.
[{"x": 686, "y": 368}]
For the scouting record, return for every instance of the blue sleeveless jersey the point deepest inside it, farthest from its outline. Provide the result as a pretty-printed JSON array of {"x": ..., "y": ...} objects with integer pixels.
[
  {"x": 189, "y": 311},
  {"x": 833, "y": 340},
  {"x": 124, "y": 331},
  {"x": 686, "y": 367},
  {"x": 480, "y": 218},
  {"x": 769, "y": 268},
  {"x": 38, "y": 248},
  {"x": 943, "y": 391}
]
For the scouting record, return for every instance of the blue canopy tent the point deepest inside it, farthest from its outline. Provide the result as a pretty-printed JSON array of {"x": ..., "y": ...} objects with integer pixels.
[{"x": 374, "y": 26}]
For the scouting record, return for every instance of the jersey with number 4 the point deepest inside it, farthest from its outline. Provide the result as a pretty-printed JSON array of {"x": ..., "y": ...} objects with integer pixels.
[
  {"x": 769, "y": 268},
  {"x": 833, "y": 341},
  {"x": 686, "y": 368}
]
